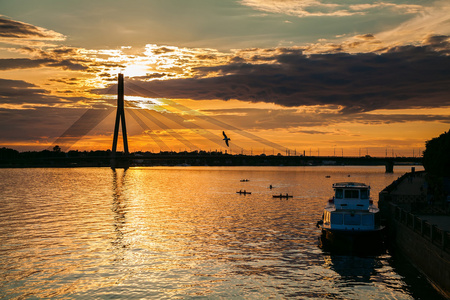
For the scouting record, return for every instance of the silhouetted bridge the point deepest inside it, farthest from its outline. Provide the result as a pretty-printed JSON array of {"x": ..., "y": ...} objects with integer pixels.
[
  {"x": 220, "y": 159},
  {"x": 196, "y": 158}
]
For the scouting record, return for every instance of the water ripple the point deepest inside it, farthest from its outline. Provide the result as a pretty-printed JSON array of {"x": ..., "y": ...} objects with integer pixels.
[{"x": 177, "y": 233}]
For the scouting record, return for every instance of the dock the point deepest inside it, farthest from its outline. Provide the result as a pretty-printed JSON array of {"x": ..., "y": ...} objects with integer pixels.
[{"x": 419, "y": 227}]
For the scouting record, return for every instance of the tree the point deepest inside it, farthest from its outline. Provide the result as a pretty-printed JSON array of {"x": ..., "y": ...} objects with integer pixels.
[
  {"x": 436, "y": 157},
  {"x": 6, "y": 153}
]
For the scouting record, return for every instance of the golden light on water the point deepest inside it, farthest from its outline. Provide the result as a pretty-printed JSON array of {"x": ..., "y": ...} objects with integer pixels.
[{"x": 180, "y": 231}]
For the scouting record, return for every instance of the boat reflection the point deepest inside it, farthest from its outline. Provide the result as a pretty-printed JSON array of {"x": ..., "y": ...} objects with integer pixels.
[
  {"x": 351, "y": 269},
  {"x": 352, "y": 249}
]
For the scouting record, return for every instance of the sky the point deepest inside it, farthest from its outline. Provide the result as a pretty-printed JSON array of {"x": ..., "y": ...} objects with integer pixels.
[{"x": 320, "y": 77}]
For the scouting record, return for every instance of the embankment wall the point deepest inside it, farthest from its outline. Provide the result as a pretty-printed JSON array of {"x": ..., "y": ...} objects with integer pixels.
[{"x": 425, "y": 245}]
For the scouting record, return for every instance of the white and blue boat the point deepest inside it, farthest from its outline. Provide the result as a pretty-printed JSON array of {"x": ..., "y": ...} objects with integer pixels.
[{"x": 351, "y": 220}]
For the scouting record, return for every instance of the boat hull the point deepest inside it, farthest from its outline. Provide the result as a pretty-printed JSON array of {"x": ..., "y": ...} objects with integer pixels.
[{"x": 353, "y": 240}]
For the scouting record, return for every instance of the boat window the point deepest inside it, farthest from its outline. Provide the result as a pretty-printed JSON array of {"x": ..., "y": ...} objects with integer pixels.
[
  {"x": 352, "y": 219},
  {"x": 337, "y": 219},
  {"x": 339, "y": 193},
  {"x": 364, "y": 194},
  {"x": 367, "y": 220},
  {"x": 351, "y": 194}
]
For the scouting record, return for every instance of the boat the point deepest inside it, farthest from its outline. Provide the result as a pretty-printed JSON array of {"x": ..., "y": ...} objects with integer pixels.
[
  {"x": 350, "y": 220},
  {"x": 245, "y": 180},
  {"x": 282, "y": 196},
  {"x": 244, "y": 192}
]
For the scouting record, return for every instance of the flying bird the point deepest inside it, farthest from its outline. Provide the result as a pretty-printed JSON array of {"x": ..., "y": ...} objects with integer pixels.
[{"x": 226, "y": 139}]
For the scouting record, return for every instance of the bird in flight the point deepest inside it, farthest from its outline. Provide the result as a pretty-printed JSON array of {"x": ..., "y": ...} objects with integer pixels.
[{"x": 226, "y": 139}]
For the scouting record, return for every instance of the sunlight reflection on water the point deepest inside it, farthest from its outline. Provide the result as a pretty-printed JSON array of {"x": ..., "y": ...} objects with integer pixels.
[{"x": 170, "y": 233}]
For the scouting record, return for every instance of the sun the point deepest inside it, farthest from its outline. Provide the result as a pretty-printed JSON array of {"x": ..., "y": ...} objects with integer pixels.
[{"x": 135, "y": 69}]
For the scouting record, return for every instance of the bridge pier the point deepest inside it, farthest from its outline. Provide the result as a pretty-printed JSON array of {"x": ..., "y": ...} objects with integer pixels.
[
  {"x": 119, "y": 163},
  {"x": 389, "y": 166}
]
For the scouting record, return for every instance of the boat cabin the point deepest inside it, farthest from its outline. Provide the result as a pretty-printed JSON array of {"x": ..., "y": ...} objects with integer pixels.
[{"x": 351, "y": 195}]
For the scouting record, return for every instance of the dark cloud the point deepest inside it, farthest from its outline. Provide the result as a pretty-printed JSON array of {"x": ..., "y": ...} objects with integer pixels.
[
  {"x": 67, "y": 64},
  {"x": 29, "y": 113},
  {"x": 441, "y": 42},
  {"x": 403, "y": 77},
  {"x": 162, "y": 50},
  {"x": 69, "y": 81},
  {"x": 15, "y": 124},
  {"x": 65, "y": 58},
  {"x": 313, "y": 132},
  {"x": 27, "y": 63},
  {"x": 260, "y": 119},
  {"x": 19, "y": 92},
  {"x": 19, "y": 30},
  {"x": 42, "y": 125},
  {"x": 366, "y": 36},
  {"x": 51, "y": 52},
  {"x": 22, "y": 63},
  {"x": 209, "y": 57}
]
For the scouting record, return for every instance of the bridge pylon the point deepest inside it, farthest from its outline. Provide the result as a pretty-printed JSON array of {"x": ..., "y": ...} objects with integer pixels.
[{"x": 121, "y": 162}]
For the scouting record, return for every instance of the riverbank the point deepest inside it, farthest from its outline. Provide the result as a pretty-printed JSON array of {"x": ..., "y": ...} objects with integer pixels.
[
  {"x": 13, "y": 159},
  {"x": 419, "y": 227}
]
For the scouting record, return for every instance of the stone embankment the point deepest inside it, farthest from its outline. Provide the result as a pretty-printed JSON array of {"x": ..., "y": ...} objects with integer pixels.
[{"x": 418, "y": 227}]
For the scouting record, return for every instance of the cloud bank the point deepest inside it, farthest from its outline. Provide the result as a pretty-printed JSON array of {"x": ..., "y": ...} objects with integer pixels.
[
  {"x": 401, "y": 77},
  {"x": 12, "y": 31}
]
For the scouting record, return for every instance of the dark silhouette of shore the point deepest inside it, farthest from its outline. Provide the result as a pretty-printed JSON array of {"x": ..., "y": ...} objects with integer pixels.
[{"x": 10, "y": 158}]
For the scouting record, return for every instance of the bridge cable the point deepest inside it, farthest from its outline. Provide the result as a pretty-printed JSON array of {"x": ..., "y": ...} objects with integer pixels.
[
  {"x": 195, "y": 128},
  {"x": 90, "y": 119},
  {"x": 162, "y": 146},
  {"x": 221, "y": 124},
  {"x": 166, "y": 128}
]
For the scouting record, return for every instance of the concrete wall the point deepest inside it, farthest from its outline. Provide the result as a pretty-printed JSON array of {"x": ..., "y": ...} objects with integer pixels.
[
  {"x": 426, "y": 246},
  {"x": 432, "y": 260}
]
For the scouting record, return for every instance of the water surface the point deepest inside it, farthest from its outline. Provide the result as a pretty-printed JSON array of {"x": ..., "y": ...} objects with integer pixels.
[{"x": 184, "y": 232}]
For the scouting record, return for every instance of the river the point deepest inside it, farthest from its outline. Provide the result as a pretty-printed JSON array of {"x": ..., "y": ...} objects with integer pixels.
[{"x": 184, "y": 233}]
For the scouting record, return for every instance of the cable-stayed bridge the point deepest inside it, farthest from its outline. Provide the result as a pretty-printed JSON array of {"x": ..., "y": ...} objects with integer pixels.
[
  {"x": 164, "y": 112},
  {"x": 159, "y": 116}
]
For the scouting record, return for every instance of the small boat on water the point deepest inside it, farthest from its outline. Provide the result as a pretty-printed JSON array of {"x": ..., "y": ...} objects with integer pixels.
[
  {"x": 244, "y": 192},
  {"x": 245, "y": 180},
  {"x": 282, "y": 196},
  {"x": 350, "y": 220}
]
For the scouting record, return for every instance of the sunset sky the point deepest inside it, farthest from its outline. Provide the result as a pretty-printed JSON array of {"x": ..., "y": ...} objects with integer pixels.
[{"x": 322, "y": 76}]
